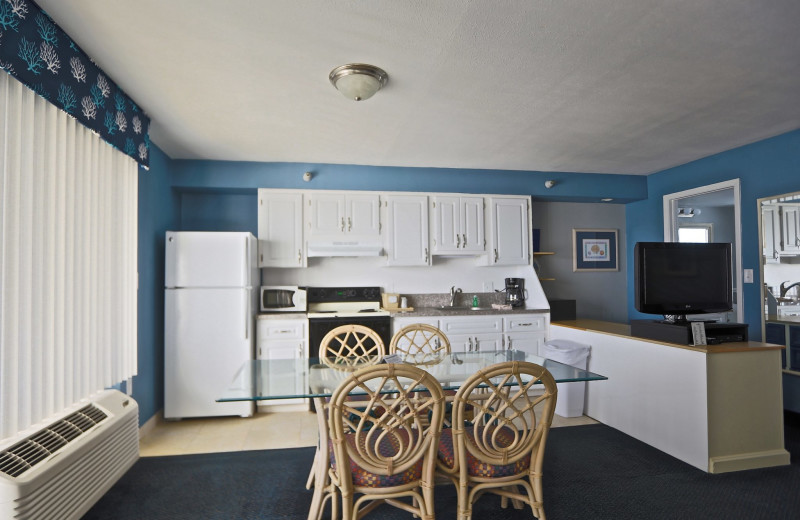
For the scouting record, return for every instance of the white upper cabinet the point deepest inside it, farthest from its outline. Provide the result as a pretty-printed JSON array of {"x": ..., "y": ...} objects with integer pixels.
[
  {"x": 509, "y": 231},
  {"x": 771, "y": 231},
  {"x": 457, "y": 225},
  {"x": 280, "y": 229},
  {"x": 790, "y": 225},
  {"x": 339, "y": 214},
  {"x": 407, "y": 241}
]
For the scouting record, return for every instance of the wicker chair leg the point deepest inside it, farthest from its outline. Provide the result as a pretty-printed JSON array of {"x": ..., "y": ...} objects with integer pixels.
[{"x": 347, "y": 507}]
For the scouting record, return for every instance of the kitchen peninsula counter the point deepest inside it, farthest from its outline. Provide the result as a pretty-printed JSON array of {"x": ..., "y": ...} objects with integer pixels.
[
  {"x": 716, "y": 407},
  {"x": 624, "y": 330}
]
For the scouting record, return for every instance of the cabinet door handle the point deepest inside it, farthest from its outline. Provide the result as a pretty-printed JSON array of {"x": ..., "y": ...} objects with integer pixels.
[
  {"x": 775, "y": 254},
  {"x": 509, "y": 343},
  {"x": 524, "y": 324},
  {"x": 495, "y": 254},
  {"x": 300, "y": 351},
  {"x": 299, "y": 256},
  {"x": 477, "y": 345},
  {"x": 464, "y": 240},
  {"x": 458, "y": 240},
  {"x": 503, "y": 342},
  {"x": 342, "y": 224},
  {"x": 259, "y": 352},
  {"x": 470, "y": 345},
  {"x": 349, "y": 224},
  {"x": 426, "y": 254}
]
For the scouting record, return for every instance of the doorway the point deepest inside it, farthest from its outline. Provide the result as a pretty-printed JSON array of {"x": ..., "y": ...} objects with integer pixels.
[{"x": 713, "y": 214}]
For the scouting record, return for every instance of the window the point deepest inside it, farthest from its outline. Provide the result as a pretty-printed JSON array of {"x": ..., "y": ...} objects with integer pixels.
[{"x": 702, "y": 233}]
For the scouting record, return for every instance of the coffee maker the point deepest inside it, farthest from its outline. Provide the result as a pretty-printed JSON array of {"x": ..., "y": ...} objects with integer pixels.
[{"x": 515, "y": 292}]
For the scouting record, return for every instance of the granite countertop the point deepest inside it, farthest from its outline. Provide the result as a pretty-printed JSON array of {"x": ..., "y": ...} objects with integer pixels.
[
  {"x": 438, "y": 304},
  {"x": 463, "y": 311}
]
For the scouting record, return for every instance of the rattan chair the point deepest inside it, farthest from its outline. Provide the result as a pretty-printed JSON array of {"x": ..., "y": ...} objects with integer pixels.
[
  {"x": 383, "y": 452},
  {"x": 501, "y": 449},
  {"x": 350, "y": 347},
  {"x": 346, "y": 348},
  {"x": 420, "y": 344}
]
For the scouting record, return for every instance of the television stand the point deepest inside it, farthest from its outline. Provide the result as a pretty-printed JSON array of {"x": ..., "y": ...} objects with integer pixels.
[{"x": 681, "y": 332}]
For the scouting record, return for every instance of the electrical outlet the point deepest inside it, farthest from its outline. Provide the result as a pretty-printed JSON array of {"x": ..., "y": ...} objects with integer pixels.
[
  {"x": 488, "y": 286},
  {"x": 747, "y": 276}
]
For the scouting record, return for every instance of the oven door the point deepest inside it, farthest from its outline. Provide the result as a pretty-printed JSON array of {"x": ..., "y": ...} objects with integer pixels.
[
  {"x": 319, "y": 327},
  {"x": 283, "y": 299}
]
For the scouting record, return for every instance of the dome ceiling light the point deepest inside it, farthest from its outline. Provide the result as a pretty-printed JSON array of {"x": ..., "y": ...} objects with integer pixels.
[{"x": 358, "y": 81}]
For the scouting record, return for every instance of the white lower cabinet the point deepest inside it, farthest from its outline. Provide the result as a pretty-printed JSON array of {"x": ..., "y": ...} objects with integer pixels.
[
  {"x": 526, "y": 332},
  {"x": 473, "y": 333},
  {"x": 277, "y": 338}
]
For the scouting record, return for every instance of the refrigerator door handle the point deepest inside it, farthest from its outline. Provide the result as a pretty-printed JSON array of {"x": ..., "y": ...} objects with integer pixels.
[{"x": 246, "y": 315}]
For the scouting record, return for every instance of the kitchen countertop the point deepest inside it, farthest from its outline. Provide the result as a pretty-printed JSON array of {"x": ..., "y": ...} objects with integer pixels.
[
  {"x": 790, "y": 320},
  {"x": 464, "y": 311}
]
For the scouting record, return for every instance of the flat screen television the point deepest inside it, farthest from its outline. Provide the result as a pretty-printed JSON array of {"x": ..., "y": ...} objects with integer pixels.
[{"x": 675, "y": 279}]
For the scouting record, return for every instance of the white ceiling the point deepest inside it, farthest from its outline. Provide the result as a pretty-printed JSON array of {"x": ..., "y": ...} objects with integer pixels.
[{"x": 601, "y": 86}]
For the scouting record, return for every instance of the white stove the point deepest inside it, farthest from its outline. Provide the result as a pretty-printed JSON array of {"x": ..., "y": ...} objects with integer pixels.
[{"x": 329, "y": 307}]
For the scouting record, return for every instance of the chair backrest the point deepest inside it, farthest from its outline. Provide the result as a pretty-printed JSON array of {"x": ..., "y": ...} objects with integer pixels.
[
  {"x": 505, "y": 426},
  {"x": 349, "y": 347},
  {"x": 420, "y": 344},
  {"x": 394, "y": 427}
]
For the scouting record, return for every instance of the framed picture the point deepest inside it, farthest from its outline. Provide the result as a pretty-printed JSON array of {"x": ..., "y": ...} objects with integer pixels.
[{"x": 595, "y": 250}]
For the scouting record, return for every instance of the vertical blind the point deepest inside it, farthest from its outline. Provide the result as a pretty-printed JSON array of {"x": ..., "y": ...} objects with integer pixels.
[{"x": 68, "y": 273}]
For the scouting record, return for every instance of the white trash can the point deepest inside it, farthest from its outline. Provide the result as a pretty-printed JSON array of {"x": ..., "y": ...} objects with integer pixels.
[{"x": 570, "y": 395}]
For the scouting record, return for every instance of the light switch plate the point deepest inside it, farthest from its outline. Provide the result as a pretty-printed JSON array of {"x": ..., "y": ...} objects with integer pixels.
[{"x": 747, "y": 274}]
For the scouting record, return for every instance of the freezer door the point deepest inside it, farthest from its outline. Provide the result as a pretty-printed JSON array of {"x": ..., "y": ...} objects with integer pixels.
[
  {"x": 209, "y": 259},
  {"x": 208, "y": 337}
]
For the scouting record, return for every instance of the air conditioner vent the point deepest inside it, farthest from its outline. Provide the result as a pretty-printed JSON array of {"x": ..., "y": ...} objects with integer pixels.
[{"x": 32, "y": 450}]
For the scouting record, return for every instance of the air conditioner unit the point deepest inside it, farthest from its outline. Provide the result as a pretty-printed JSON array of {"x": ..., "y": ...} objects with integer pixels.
[{"x": 60, "y": 471}]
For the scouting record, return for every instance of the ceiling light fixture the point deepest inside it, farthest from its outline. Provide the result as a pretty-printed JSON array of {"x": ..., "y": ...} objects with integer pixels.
[
  {"x": 307, "y": 176},
  {"x": 549, "y": 184},
  {"x": 686, "y": 212},
  {"x": 358, "y": 81}
]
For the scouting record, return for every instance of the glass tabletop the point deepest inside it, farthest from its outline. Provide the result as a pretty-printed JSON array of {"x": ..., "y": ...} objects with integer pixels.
[{"x": 259, "y": 380}]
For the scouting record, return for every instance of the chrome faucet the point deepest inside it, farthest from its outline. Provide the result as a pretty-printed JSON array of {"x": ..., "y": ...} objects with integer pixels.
[
  {"x": 785, "y": 288},
  {"x": 453, "y": 292}
]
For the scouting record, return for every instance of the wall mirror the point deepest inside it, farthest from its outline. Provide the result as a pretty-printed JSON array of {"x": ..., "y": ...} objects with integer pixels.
[
  {"x": 709, "y": 214},
  {"x": 780, "y": 256}
]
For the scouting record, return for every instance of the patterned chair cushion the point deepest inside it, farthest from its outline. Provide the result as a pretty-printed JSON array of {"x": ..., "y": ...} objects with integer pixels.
[
  {"x": 388, "y": 447},
  {"x": 476, "y": 468}
]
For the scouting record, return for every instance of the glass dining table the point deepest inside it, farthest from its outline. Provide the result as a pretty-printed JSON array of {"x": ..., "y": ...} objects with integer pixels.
[{"x": 276, "y": 379}]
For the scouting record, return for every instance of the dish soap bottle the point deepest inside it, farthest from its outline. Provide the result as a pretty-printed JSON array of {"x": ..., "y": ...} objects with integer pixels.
[{"x": 475, "y": 301}]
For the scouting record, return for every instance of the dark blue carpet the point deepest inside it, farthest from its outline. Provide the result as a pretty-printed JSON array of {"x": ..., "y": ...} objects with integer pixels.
[{"x": 592, "y": 472}]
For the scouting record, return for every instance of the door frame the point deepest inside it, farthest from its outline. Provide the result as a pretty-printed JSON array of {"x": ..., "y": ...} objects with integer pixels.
[{"x": 671, "y": 226}]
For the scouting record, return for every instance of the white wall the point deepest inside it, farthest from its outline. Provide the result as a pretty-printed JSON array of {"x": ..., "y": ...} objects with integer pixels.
[
  {"x": 438, "y": 278},
  {"x": 598, "y": 295}
]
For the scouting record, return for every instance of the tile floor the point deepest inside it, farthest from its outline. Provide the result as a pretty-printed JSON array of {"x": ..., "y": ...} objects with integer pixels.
[{"x": 265, "y": 430}]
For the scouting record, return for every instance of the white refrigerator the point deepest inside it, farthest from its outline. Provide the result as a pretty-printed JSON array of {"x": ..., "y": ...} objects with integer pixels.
[{"x": 211, "y": 285}]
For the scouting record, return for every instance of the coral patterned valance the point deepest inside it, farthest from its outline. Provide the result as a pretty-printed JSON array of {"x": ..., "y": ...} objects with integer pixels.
[{"x": 38, "y": 53}]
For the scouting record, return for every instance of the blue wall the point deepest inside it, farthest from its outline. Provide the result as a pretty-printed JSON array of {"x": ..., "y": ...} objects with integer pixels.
[
  {"x": 573, "y": 187},
  {"x": 765, "y": 168},
  {"x": 157, "y": 213}
]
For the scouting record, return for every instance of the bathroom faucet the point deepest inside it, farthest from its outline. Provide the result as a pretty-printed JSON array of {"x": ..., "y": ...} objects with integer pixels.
[
  {"x": 785, "y": 288},
  {"x": 453, "y": 292}
]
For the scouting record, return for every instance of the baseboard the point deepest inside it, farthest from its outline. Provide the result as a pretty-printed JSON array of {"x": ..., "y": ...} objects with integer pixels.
[
  {"x": 761, "y": 459},
  {"x": 151, "y": 424}
]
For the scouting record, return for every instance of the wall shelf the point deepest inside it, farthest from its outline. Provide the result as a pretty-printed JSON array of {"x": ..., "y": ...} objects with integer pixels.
[{"x": 537, "y": 268}]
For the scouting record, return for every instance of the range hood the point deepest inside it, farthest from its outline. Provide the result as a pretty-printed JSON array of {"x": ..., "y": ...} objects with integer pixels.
[{"x": 338, "y": 247}]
